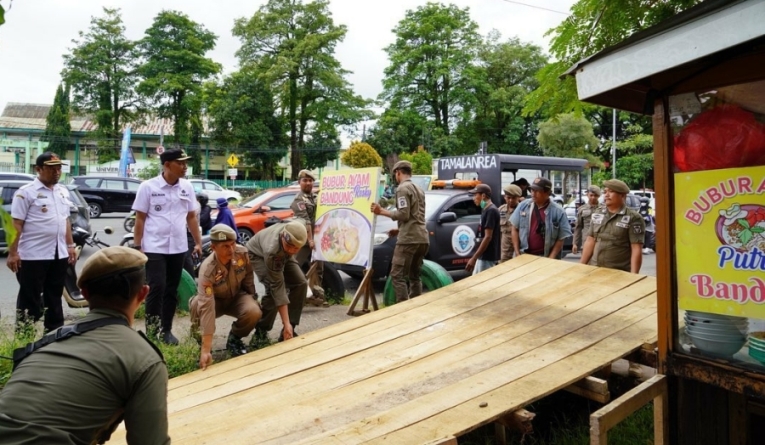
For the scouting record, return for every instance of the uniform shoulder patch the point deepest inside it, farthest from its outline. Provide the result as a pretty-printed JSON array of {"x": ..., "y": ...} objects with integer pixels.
[
  {"x": 401, "y": 202},
  {"x": 637, "y": 228},
  {"x": 301, "y": 205}
]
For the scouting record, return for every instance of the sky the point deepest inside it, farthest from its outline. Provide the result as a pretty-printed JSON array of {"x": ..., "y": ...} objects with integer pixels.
[{"x": 38, "y": 32}]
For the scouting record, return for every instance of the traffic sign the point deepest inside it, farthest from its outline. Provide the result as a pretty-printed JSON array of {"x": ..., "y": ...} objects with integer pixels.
[
  {"x": 233, "y": 161},
  {"x": 160, "y": 149},
  {"x": 232, "y": 172}
]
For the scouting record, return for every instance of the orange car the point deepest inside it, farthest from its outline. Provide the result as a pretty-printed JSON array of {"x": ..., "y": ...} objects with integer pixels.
[{"x": 251, "y": 214}]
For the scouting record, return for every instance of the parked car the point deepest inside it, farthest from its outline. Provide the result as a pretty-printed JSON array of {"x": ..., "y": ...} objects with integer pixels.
[
  {"x": 79, "y": 215},
  {"x": 214, "y": 191},
  {"x": 648, "y": 193},
  {"x": 17, "y": 177},
  {"x": 107, "y": 194},
  {"x": 451, "y": 218},
  {"x": 250, "y": 216},
  {"x": 633, "y": 201}
]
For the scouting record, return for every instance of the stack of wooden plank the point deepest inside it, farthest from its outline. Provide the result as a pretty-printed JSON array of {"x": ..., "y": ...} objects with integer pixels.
[{"x": 427, "y": 370}]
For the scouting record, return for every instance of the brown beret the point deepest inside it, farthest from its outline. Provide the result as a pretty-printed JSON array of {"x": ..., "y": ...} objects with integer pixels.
[
  {"x": 616, "y": 185},
  {"x": 401, "y": 164},
  {"x": 306, "y": 174},
  {"x": 222, "y": 232},
  {"x": 110, "y": 261},
  {"x": 513, "y": 190},
  {"x": 296, "y": 233}
]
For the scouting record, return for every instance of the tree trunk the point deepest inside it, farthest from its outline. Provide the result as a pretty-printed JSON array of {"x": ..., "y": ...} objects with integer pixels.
[{"x": 295, "y": 153}]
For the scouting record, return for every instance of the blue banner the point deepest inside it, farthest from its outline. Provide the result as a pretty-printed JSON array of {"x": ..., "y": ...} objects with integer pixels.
[{"x": 125, "y": 154}]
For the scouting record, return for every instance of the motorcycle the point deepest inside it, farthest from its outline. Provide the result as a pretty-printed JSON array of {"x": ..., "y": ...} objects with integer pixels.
[
  {"x": 129, "y": 223},
  {"x": 81, "y": 238}
]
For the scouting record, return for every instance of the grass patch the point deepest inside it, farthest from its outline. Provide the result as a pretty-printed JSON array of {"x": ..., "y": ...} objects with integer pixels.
[
  {"x": 8, "y": 342},
  {"x": 180, "y": 359}
]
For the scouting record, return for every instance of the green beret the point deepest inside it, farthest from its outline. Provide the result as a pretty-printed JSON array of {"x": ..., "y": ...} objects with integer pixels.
[
  {"x": 222, "y": 232},
  {"x": 296, "y": 233},
  {"x": 110, "y": 261},
  {"x": 617, "y": 186}
]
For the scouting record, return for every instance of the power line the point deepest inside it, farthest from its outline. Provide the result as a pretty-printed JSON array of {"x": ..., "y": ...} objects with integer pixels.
[{"x": 536, "y": 7}]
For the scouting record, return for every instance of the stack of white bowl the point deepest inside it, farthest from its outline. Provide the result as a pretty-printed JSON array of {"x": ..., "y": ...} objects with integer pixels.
[{"x": 716, "y": 334}]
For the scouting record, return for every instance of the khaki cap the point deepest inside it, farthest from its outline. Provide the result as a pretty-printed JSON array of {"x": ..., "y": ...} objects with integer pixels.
[
  {"x": 296, "y": 233},
  {"x": 594, "y": 189},
  {"x": 617, "y": 186},
  {"x": 110, "y": 261},
  {"x": 306, "y": 174},
  {"x": 513, "y": 190},
  {"x": 222, "y": 232},
  {"x": 401, "y": 164}
]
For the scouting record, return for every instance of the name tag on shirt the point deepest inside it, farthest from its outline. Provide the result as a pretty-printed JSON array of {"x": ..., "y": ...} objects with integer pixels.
[{"x": 623, "y": 225}]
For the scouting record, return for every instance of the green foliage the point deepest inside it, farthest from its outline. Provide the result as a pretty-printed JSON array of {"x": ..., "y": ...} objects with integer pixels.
[
  {"x": 431, "y": 63},
  {"x": 399, "y": 131},
  {"x": 291, "y": 45},
  {"x": 2, "y": 15},
  {"x": 593, "y": 26},
  {"x": 149, "y": 172},
  {"x": 422, "y": 162},
  {"x": 242, "y": 116},
  {"x": 101, "y": 72},
  {"x": 568, "y": 135},
  {"x": 10, "y": 341},
  {"x": 6, "y": 222},
  {"x": 322, "y": 147},
  {"x": 57, "y": 127},
  {"x": 361, "y": 155},
  {"x": 174, "y": 49},
  {"x": 180, "y": 359}
]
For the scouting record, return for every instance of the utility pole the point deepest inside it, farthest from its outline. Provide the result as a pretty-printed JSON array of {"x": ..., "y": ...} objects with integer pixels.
[{"x": 613, "y": 149}]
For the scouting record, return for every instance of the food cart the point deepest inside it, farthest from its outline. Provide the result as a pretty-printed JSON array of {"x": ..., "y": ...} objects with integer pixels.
[{"x": 701, "y": 74}]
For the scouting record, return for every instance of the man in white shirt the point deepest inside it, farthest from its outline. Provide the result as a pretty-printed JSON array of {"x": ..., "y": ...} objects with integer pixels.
[
  {"x": 40, "y": 253},
  {"x": 162, "y": 205}
]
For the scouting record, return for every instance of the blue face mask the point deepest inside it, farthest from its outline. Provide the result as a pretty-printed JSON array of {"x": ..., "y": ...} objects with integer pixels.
[{"x": 483, "y": 204}]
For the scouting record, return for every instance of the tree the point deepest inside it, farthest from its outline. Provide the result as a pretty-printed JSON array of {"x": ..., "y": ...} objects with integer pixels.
[
  {"x": 57, "y": 127},
  {"x": 101, "y": 72},
  {"x": 291, "y": 44},
  {"x": 422, "y": 162},
  {"x": 361, "y": 155},
  {"x": 634, "y": 158},
  {"x": 593, "y": 25},
  {"x": 242, "y": 116},
  {"x": 323, "y": 146},
  {"x": 503, "y": 78},
  {"x": 431, "y": 63},
  {"x": 175, "y": 67},
  {"x": 2, "y": 15},
  {"x": 568, "y": 135}
]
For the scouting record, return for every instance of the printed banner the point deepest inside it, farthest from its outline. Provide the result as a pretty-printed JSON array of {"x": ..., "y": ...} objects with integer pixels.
[
  {"x": 720, "y": 223},
  {"x": 344, "y": 223}
]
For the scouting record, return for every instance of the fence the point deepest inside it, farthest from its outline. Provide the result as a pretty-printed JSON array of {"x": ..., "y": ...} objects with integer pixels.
[{"x": 11, "y": 167}]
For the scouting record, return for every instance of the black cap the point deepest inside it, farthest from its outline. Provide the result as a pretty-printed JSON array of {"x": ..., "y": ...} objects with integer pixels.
[
  {"x": 481, "y": 188},
  {"x": 541, "y": 185},
  {"x": 173, "y": 154},
  {"x": 48, "y": 158}
]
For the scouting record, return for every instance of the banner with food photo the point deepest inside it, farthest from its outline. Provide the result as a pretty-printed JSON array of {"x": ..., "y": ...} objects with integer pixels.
[
  {"x": 720, "y": 223},
  {"x": 344, "y": 222}
]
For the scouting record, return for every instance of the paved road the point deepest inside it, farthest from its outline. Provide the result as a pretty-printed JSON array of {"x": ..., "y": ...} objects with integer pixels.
[{"x": 313, "y": 318}]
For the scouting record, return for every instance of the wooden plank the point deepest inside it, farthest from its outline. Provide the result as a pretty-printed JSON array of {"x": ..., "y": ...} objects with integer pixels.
[
  {"x": 599, "y": 397},
  {"x": 347, "y": 400},
  {"x": 453, "y": 408},
  {"x": 463, "y": 417},
  {"x": 397, "y": 381},
  {"x": 607, "y": 417}
]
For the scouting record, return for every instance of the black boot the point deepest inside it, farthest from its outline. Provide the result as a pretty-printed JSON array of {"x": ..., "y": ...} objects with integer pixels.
[
  {"x": 235, "y": 345},
  {"x": 259, "y": 340}
]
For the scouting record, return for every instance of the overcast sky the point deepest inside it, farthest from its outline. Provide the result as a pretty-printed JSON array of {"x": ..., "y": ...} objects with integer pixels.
[{"x": 38, "y": 32}]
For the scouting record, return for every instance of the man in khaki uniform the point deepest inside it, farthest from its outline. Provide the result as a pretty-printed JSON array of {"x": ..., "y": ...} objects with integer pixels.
[
  {"x": 512, "y": 197},
  {"x": 76, "y": 389},
  {"x": 412, "y": 243},
  {"x": 226, "y": 286},
  {"x": 272, "y": 254},
  {"x": 583, "y": 215},
  {"x": 616, "y": 234},
  {"x": 304, "y": 206}
]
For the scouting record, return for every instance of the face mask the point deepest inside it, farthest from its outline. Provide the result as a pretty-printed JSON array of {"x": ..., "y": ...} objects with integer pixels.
[{"x": 483, "y": 204}]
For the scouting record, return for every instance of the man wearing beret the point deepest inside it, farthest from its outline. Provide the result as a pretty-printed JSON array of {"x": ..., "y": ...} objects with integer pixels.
[
  {"x": 539, "y": 224},
  {"x": 616, "y": 234},
  {"x": 79, "y": 382},
  {"x": 272, "y": 254},
  {"x": 304, "y": 206},
  {"x": 412, "y": 242},
  {"x": 162, "y": 204},
  {"x": 39, "y": 255},
  {"x": 583, "y": 215},
  {"x": 489, "y": 236},
  {"x": 226, "y": 286},
  {"x": 512, "y": 197}
]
